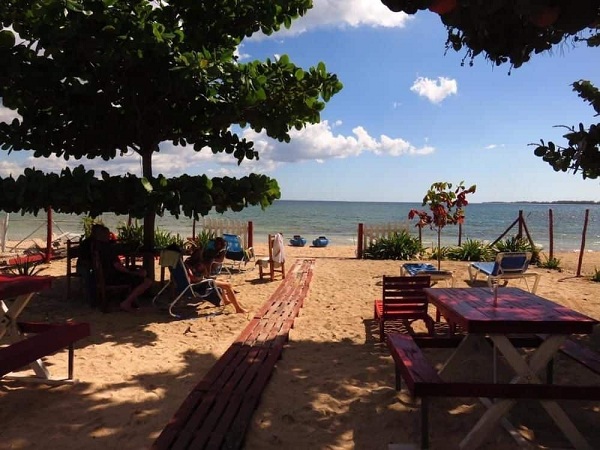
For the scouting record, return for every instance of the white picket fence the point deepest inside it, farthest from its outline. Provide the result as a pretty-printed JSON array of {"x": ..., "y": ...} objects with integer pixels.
[
  {"x": 373, "y": 232},
  {"x": 220, "y": 226}
]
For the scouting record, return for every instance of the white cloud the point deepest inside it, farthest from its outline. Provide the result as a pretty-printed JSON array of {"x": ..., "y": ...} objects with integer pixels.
[
  {"x": 344, "y": 13},
  {"x": 435, "y": 91},
  {"x": 493, "y": 146},
  {"x": 316, "y": 142},
  {"x": 10, "y": 168},
  {"x": 7, "y": 115}
]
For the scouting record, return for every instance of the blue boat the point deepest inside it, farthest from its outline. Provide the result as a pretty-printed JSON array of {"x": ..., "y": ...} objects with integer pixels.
[
  {"x": 321, "y": 241},
  {"x": 297, "y": 241}
]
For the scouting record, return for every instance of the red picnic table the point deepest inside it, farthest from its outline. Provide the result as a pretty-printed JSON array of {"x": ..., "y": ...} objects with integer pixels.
[
  {"x": 48, "y": 339},
  {"x": 516, "y": 312}
]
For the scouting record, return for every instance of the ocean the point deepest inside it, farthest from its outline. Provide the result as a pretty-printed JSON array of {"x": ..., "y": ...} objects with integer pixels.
[{"x": 338, "y": 221}]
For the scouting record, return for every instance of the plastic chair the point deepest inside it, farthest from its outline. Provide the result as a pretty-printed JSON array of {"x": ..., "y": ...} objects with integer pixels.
[
  {"x": 507, "y": 266},
  {"x": 204, "y": 291}
]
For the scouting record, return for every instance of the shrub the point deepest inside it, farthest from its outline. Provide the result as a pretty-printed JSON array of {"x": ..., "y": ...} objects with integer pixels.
[
  {"x": 442, "y": 251},
  {"x": 471, "y": 250},
  {"x": 87, "y": 222},
  {"x": 596, "y": 277},
  {"x": 163, "y": 239},
  {"x": 550, "y": 263},
  {"x": 25, "y": 266},
  {"x": 516, "y": 244},
  {"x": 131, "y": 234},
  {"x": 400, "y": 245}
]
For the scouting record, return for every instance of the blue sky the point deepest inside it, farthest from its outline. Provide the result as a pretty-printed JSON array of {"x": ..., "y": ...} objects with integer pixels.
[{"x": 408, "y": 116}]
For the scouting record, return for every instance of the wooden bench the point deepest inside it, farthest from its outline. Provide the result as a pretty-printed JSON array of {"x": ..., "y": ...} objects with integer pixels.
[
  {"x": 578, "y": 353},
  {"x": 423, "y": 381},
  {"x": 48, "y": 339},
  {"x": 219, "y": 409}
]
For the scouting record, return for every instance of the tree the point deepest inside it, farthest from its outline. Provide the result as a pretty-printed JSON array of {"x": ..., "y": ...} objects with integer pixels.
[
  {"x": 508, "y": 31},
  {"x": 447, "y": 207},
  {"x": 103, "y": 78}
]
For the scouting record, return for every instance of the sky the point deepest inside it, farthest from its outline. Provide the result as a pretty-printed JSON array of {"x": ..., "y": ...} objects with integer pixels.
[{"x": 409, "y": 115}]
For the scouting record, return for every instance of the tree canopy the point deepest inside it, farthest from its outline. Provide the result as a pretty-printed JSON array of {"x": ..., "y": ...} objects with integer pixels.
[
  {"x": 511, "y": 32},
  {"x": 102, "y": 78}
]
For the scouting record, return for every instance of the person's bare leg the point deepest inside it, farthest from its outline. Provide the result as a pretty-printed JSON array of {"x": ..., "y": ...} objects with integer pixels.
[
  {"x": 229, "y": 296},
  {"x": 127, "y": 304}
]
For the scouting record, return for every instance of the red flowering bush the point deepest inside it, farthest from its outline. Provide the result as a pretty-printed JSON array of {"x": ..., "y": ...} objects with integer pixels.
[{"x": 446, "y": 206}]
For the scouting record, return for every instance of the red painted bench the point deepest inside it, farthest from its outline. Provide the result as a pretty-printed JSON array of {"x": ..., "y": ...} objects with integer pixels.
[
  {"x": 48, "y": 339},
  {"x": 219, "y": 409},
  {"x": 423, "y": 381}
]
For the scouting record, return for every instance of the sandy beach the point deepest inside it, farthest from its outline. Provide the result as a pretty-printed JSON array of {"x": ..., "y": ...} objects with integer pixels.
[{"x": 333, "y": 388}]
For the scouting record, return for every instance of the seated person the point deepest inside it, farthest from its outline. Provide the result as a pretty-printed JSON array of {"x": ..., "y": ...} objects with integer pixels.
[
  {"x": 226, "y": 290},
  {"x": 115, "y": 273},
  {"x": 201, "y": 260},
  {"x": 83, "y": 266}
]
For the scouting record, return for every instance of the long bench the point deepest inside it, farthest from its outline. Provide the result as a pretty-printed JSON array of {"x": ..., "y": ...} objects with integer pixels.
[
  {"x": 423, "y": 382},
  {"x": 219, "y": 409},
  {"x": 48, "y": 339}
]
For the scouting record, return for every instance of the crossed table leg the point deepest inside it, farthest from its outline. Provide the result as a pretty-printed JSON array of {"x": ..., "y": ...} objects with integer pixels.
[
  {"x": 526, "y": 372},
  {"x": 8, "y": 325}
]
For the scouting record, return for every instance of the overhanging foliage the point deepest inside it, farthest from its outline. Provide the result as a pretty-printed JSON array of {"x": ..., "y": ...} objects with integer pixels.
[{"x": 509, "y": 31}]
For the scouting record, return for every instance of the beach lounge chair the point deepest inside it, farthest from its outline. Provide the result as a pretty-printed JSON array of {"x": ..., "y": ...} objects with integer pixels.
[
  {"x": 403, "y": 300},
  {"x": 507, "y": 266},
  {"x": 276, "y": 260},
  {"x": 236, "y": 251},
  {"x": 421, "y": 269},
  {"x": 203, "y": 291}
]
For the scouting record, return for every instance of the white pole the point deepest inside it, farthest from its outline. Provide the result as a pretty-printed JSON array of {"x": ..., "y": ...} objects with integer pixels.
[{"x": 3, "y": 232}]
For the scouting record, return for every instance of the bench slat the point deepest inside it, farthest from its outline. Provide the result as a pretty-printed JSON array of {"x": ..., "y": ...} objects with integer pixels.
[
  {"x": 218, "y": 411},
  {"x": 30, "y": 349},
  {"x": 412, "y": 364}
]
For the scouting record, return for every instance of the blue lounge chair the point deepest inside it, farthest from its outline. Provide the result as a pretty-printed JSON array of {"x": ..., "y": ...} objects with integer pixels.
[
  {"x": 507, "y": 266},
  {"x": 236, "y": 252},
  {"x": 425, "y": 269}
]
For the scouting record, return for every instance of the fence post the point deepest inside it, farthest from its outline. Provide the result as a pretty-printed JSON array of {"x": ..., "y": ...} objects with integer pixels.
[
  {"x": 359, "y": 250},
  {"x": 48, "y": 253},
  {"x": 520, "y": 233},
  {"x": 551, "y": 233},
  {"x": 250, "y": 234},
  {"x": 585, "y": 222}
]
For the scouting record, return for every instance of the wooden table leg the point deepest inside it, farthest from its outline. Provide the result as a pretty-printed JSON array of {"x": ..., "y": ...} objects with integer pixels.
[{"x": 526, "y": 372}]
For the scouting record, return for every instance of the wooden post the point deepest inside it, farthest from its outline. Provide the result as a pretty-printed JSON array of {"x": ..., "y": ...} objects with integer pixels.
[
  {"x": 459, "y": 234},
  {"x": 360, "y": 249},
  {"x": 520, "y": 233},
  {"x": 250, "y": 234},
  {"x": 48, "y": 253},
  {"x": 551, "y": 233},
  {"x": 582, "y": 249},
  {"x": 194, "y": 229}
]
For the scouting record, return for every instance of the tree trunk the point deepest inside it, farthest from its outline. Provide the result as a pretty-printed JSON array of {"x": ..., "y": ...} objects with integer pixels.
[{"x": 149, "y": 219}]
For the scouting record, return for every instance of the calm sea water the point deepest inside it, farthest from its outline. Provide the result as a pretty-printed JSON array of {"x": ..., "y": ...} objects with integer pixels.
[{"x": 339, "y": 222}]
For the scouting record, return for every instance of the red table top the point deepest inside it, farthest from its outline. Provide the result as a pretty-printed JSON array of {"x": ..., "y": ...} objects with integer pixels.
[
  {"x": 15, "y": 285},
  {"x": 517, "y": 311}
]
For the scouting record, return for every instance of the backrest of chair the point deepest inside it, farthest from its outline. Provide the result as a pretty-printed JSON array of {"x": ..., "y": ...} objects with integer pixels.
[
  {"x": 404, "y": 294},
  {"x": 271, "y": 240},
  {"x": 179, "y": 275},
  {"x": 511, "y": 262},
  {"x": 169, "y": 258},
  {"x": 234, "y": 243}
]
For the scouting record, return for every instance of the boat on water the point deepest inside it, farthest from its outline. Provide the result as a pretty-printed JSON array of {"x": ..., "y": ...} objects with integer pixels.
[
  {"x": 321, "y": 241},
  {"x": 297, "y": 241}
]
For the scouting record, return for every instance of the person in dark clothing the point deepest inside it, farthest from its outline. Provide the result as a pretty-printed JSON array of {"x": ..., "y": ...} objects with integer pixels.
[{"x": 115, "y": 273}]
